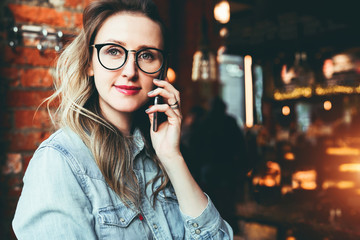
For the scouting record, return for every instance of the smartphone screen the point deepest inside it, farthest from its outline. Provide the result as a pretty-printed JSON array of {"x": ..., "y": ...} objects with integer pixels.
[{"x": 159, "y": 117}]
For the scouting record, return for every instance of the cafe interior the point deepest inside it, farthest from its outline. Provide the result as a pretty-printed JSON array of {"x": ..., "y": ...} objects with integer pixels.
[{"x": 289, "y": 73}]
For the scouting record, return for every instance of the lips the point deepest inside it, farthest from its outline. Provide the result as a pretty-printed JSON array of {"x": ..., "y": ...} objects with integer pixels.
[{"x": 128, "y": 90}]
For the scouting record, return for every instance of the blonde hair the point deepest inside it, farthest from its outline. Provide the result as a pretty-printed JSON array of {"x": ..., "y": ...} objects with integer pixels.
[{"x": 79, "y": 104}]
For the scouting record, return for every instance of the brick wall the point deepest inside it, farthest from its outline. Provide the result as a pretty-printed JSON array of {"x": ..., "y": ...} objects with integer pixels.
[
  {"x": 25, "y": 78},
  {"x": 25, "y": 81}
]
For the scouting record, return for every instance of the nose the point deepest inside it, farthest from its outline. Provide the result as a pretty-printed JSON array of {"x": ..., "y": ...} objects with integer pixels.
[{"x": 129, "y": 70}]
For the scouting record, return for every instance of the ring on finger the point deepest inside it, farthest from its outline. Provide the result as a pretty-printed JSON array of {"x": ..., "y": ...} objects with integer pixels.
[{"x": 174, "y": 104}]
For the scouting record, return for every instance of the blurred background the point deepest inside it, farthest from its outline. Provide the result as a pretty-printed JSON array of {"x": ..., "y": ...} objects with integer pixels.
[{"x": 270, "y": 98}]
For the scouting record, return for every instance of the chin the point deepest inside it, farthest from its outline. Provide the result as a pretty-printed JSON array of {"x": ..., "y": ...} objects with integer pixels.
[{"x": 129, "y": 108}]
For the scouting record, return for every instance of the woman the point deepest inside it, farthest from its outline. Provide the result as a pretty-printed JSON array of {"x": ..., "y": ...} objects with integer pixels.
[{"x": 105, "y": 174}]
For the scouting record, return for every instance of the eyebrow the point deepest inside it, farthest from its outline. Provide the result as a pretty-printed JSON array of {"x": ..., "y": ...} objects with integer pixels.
[{"x": 124, "y": 44}]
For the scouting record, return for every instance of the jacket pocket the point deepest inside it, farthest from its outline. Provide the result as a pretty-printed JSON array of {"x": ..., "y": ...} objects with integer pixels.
[
  {"x": 119, "y": 222},
  {"x": 120, "y": 216}
]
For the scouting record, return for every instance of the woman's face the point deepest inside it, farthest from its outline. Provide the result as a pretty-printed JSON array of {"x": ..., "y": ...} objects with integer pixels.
[{"x": 125, "y": 90}]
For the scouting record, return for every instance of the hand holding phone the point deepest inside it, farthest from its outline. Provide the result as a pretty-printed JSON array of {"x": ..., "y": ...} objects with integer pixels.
[{"x": 159, "y": 117}]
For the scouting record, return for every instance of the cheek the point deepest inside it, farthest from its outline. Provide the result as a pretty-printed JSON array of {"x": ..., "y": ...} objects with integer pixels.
[
  {"x": 101, "y": 75},
  {"x": 147, "y": 83}
]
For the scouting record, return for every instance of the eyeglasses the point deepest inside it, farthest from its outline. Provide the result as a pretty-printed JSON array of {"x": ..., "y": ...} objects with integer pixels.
[{"x": 113, "y": 56}]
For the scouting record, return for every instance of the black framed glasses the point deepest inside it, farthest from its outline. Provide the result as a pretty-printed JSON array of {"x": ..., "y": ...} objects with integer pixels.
[{"x": 113, "y": 56}]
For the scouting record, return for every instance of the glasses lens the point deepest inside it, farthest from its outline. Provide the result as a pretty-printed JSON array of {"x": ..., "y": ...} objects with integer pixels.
[
  {"x": 150, "y": 60},
  {"x": 112, "y": 56}
]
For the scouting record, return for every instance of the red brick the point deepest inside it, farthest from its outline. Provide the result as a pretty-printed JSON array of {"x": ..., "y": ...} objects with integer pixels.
[
  {"x": 13, "y": 163},
  {"x": 78, "y": 20},
  {"x": 74, "y": 3},
  {"x": 10, "y": 73},
  {"x": 5, "y": 120},
  {"x": 87, "y": 2},
  {"x": 27, "y": 159},
  {"x": 21, "y": 98},
  {"x": 28, "y": 141},
  {"x": 41, "y": 15},
  {"x": 30, "y": 56},
  {"x": 32, "y": 119},
  {"x": 37, "y": 77}
]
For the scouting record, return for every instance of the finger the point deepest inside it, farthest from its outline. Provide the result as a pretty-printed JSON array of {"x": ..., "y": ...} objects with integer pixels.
[
  {"x": 169, "y": 96},
  {"x": 176, "y": 108},
  {"x": 167, "y": 86},
  {"x": 175, "y": 103},
  {"x": 171, "y": 113}
]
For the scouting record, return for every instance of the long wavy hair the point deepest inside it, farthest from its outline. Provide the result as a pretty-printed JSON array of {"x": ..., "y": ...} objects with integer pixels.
[{"x": 79, "y": 103}]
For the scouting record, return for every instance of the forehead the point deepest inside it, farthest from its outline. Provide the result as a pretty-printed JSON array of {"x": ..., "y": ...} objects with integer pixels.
[{"x": 132, "y": 29}]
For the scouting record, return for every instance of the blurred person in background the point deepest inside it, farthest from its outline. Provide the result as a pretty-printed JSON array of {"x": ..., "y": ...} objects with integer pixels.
[
  {"x": 219, "y": 149},
  {"x": 190, "y": 139}
]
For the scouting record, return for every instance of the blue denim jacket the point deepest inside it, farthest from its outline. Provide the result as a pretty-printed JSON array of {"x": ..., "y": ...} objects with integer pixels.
[{"x": 65, "y": 196}]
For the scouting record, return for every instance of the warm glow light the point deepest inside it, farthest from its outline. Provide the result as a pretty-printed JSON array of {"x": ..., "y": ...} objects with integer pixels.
[
  {"x": 222, "y": 12},
  {"x": 171, "y": 75},
  {"x": 342, "y": 63},
  {"x": 272, "y": 176},
  {"x": 345, "y": 184},
  {"x": 286, "y": 189},
  {"x": 336, "y": 89},
  {"x": 304, "y": 179},
  {"x": 204, "y": 66},
  {"x": 224, "y": 32},
  {"x": 308, "y": 185},
  {"x": 268, "y": 181},
  {"x": 328, "y": 68},
  {"x": 285, "y": 110},
  {"x": 289, "y": 156},
  {"x": 249, "y": 112},
  {"x": 221, "y": 50},
  {"x": 343, "y": 151},
  {"x": 349, "y": 167},
  {"x": 328, "y": 184},
  {"x": 327, "y": 105},
  {"x": 286, "y": 75},
  {"x": 340, "y": 184},
  {"x": 290, "y": 238},
  {"x": 296, "y": 93}
]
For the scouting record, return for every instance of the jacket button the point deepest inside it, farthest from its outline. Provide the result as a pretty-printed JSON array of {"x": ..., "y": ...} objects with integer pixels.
[
  {"x": 195, "y": 225},
  {"x": 122, "y": 220},
  {"x": 155, "y": 226},
  {"x": 198, "y": 231}
]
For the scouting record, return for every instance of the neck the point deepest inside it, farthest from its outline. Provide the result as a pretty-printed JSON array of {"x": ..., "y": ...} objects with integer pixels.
[{"x": 122, "y": 121}]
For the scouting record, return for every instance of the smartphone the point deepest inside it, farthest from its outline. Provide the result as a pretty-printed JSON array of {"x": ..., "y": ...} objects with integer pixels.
[{"x": 159, "y": 117}]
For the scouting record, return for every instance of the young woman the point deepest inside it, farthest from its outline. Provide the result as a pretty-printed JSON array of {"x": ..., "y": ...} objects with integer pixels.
[{"x": 105, "y": 174}]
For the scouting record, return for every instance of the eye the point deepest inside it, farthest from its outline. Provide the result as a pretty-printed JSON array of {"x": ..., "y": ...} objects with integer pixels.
[
  {"x": 146, "y": 56},
  {"x": 113, "y": 51}
]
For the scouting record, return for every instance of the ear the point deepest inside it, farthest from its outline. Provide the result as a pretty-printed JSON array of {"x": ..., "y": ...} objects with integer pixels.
[{"x": 90, "y": 70}]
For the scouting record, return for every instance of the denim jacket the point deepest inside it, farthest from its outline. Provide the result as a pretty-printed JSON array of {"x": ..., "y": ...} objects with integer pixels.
[{"x": 65, "y": 196}]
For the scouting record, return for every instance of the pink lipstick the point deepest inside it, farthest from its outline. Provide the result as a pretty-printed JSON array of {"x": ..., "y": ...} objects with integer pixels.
[{"x": 128, "y": 90}]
